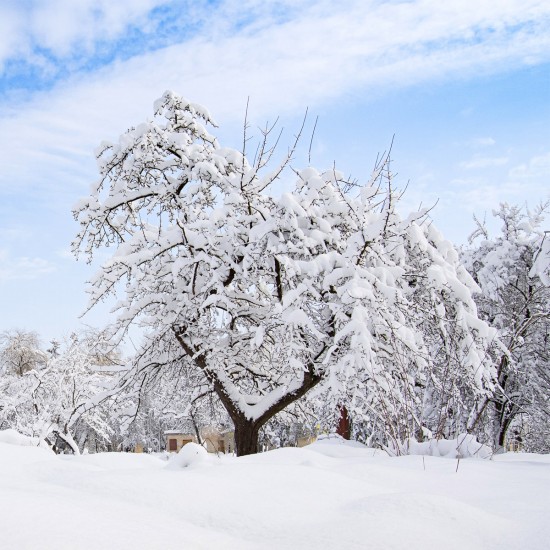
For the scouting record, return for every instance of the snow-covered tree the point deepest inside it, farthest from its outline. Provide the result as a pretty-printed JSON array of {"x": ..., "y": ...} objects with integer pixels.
[
  {"x": 268, "y": 297},
  {"x": 20, "y": 352},
  {"x": 20, "y": 358},
  {"x": 59, "y": 400},
  {"x": 516, "y": 301}
]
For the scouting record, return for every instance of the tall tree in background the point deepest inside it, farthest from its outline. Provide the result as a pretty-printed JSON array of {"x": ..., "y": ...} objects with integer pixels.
[
  {"x": 269, "y": 297},
  {"x": 20, "y": 352},
  {"x": 516, "y": 301}
]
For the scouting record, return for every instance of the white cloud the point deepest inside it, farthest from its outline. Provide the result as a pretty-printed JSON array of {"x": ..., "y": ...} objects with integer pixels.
[
  {"x": 478, "y": 162},
  {"x": 302, "y": 55},
  {"x": 467, "y": 182},
  {"x": 11, "y": 23},
  {"x": 13, "y": 234},
  {"x": 320, "y": 54},
  {"x": 537, "y": 169},
  {"x": 61, "y": 27},
  {"x": 323, "y": 46},
  {"x": 527, "y": 182},
  {"x": 22, "y": 267},
  {"x": 481, "y": 142},
  {"x": 487, "y": 196}
]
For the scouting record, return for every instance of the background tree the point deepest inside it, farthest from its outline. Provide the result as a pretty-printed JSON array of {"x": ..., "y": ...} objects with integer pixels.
[
  {"x": 60, "y": 400},
  {"x": 515, "y": 300},
  {"x": 20, "y": 351},
  {"x": 268, "y": 297}
]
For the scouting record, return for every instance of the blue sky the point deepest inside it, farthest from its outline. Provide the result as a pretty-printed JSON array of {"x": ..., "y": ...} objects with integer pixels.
[{"x": 463, "y": 85}]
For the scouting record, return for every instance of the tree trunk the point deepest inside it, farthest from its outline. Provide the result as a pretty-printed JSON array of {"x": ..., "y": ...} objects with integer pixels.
[
  {"x": 501, "y": 405},
  {"x": 246, "y": 437},
  {"x": 344, "y": 423},
  {"x": 508, "y": 415},
  {"x": 246, "y": 430},
  {"x": 502, "y": 435},
  {"x": 196, "y": 428}
]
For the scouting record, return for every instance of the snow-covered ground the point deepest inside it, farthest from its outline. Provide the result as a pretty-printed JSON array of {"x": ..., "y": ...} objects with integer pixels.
[{"x": 329, "y": 495}]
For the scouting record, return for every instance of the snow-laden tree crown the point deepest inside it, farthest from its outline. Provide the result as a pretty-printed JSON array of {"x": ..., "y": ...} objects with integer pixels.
[
  {"x": 268, "y": 296},
  {"x": 511, "y": 268}
]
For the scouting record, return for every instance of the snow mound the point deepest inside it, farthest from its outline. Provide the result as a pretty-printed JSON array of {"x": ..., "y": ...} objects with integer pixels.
[
  {"x": 190, "y": 454},
  {"x": 335, "y": 446},
  {"x": 464, "y": 446},
  {"x": 336, "y": 439},
  {"x": 13, "y": 437}
]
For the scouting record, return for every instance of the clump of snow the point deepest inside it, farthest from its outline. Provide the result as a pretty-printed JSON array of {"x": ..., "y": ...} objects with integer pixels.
[
  {"x": 13, "y": 437},
  {"x": 464, "y": 446},
  {"x": 190, "y": 454}
]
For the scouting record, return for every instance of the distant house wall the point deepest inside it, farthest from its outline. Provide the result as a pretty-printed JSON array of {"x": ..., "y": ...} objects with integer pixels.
[
  {"x": 227, "y": 442},
  {"x": 175, "y": 441},
  {"x": 214, "y": 440},
  {"x": 306, "y": 440},
  {"x": 515, "y": 446}
]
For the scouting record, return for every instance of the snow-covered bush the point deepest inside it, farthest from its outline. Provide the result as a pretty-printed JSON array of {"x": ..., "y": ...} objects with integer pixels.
[{"x": 463, "y": 446}]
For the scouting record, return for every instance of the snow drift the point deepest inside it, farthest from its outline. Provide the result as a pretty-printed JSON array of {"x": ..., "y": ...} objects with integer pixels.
[{"x": 330, "y": 495}]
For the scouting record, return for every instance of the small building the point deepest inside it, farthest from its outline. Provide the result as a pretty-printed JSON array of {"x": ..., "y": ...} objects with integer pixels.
[
  {"x": 306, "y": 440},
  {"x": 175, "y": 440},
  {"x": 214, "y": 440}
]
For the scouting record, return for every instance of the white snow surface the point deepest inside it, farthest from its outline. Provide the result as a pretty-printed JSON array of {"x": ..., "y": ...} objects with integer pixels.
[
  {"x": 13, "y": 437},
  {"x": 329, "y": 495}
]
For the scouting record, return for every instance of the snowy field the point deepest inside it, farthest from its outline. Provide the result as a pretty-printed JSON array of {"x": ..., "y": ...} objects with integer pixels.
[{"x": 329, "y": 495}]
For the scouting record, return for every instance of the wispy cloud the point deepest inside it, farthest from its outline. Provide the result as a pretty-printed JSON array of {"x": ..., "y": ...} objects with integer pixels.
[
  {"x": 524, "y": 183},
  {"x": 22, "y": 267},
  {"x": 537, "y": 168},
  {"x": 487, "y": 196},
  {"x": 315, "y": 55},
  {"x": 321, "y": 47},
  {"x": 478, "y": 162},
  {"x": 42, "y": 33},
  {"x": 482, "y": 142}
]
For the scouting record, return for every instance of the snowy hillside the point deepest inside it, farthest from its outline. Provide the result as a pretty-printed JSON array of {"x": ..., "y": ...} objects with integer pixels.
[{"x": 330, "y": 495}]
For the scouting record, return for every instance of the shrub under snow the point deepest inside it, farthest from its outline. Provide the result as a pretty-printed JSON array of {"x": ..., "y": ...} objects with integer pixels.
[{"x": 464, "y": 446}]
